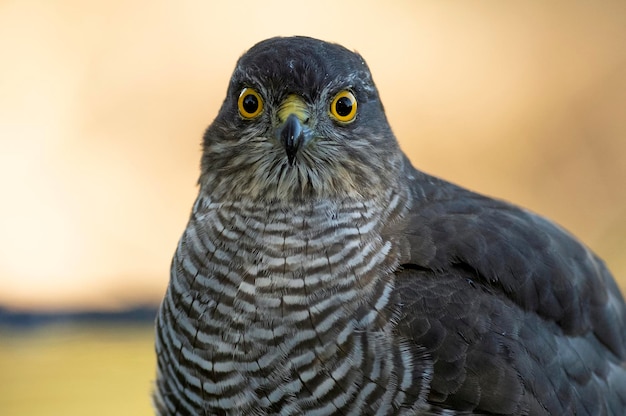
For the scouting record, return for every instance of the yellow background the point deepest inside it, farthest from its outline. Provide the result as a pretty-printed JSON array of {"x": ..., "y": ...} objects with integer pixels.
[{"x": 103, "y": 105}]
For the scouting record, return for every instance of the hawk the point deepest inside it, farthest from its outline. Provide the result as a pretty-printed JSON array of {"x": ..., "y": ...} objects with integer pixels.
[{"x": 320, "y": 273}]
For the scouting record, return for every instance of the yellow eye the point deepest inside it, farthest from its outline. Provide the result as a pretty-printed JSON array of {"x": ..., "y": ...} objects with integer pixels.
[
  {"x": 250, "y": 103},
  {"x": 343, "y": 107}
]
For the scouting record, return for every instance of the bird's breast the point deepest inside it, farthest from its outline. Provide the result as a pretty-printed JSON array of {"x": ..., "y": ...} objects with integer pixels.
[
  {"x": 271, "y": 299},
  {"x": 283, "y": 262}
]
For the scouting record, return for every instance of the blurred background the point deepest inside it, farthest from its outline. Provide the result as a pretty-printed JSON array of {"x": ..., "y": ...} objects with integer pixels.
[{"x": 102, "y": 109}]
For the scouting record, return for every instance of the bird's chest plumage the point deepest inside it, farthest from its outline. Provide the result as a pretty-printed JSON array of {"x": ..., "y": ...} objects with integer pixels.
[
  {"x": 281, "y": 271},
  {"x": 282, "y": 308}
]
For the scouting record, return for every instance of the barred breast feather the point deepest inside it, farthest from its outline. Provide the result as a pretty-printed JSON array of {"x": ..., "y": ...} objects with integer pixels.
[{"x": 285, "y": 309}]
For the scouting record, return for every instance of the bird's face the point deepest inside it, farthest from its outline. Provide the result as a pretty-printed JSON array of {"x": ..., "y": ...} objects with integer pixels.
[{"x": 301, "y": 120}]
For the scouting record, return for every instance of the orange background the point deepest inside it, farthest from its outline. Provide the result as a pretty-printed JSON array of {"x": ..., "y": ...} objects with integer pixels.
[{"x": 103, "y": 105}]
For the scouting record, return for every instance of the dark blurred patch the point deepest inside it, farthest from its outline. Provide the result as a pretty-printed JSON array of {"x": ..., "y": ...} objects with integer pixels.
[{"x": 14, "y": 319}]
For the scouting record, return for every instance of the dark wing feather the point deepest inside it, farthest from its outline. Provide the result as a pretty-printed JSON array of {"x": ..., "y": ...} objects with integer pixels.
[{"x": 518, "y": 316}]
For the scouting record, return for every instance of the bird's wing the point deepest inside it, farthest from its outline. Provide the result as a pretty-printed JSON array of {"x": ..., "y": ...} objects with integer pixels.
[{"x": 518, "y": 316}]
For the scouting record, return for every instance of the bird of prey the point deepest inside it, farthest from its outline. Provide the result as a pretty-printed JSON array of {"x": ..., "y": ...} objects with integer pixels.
[{"x": 321, "y": 274}]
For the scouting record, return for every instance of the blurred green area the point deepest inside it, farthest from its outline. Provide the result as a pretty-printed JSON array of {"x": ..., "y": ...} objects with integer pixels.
[{"x": 77, "y": 370}]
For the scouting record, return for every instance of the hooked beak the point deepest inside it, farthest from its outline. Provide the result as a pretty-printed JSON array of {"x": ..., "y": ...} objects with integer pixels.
[
  {"x": 293, "y": 114},
  {"x": 292, "y": 136}
]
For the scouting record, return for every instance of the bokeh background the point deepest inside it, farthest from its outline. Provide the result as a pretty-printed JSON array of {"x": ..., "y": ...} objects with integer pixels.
[{"x": 102, "y": 109}]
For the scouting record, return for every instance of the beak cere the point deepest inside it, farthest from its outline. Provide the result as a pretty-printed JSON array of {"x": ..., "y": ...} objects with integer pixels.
[{"x": 292, "y": 136}]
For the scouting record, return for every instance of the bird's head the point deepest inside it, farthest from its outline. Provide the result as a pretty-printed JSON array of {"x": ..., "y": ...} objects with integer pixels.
[{"x": 301, "y": 120}]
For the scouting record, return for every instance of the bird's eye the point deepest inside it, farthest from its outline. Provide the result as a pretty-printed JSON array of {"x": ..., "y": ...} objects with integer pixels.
[
  {"x": 250, "y": 103},
  {"x": 343, "y": 107}
]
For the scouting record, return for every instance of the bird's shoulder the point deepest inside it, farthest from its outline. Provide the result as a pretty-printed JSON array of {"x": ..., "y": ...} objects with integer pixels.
[
  {"x": 515, "y": 253},
  {"x": 507, "y": 303}
]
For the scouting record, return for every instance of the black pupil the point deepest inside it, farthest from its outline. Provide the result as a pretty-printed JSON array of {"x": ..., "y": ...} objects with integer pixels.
[
  {"x": 343, "y": 106},
  {"x": 250, "y": 103}
]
